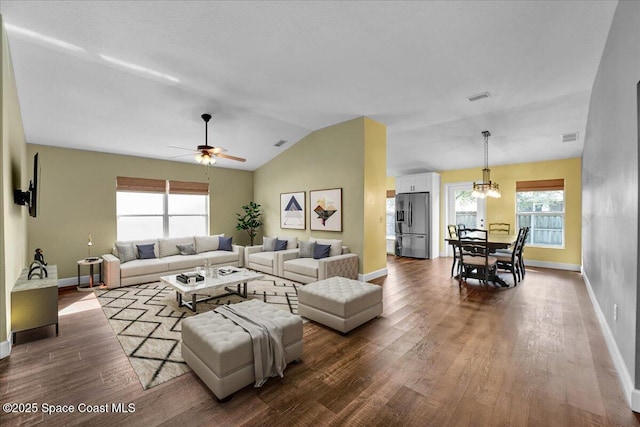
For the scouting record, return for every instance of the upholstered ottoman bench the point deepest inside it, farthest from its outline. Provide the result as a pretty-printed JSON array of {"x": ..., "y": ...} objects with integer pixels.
[
  {"x": 340, "y": 303},
  {"x": 221, "y": 353}
]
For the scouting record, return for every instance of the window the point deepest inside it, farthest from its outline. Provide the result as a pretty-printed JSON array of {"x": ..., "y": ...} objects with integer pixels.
[
  {"x": 391, "y": 214},
  {"x": 150, "y": 208},
  {"x": 540, "y": 205}
]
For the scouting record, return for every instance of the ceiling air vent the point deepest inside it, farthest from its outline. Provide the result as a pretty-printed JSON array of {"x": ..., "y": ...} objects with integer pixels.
[
  {"x": 280, "y": 143},
  {"x": 570, "y": 137},
  {"x": 478, "y": 96}
]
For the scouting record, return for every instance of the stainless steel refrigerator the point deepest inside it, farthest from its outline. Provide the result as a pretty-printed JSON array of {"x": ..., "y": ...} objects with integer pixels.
[{"x": 412, "y": 225}]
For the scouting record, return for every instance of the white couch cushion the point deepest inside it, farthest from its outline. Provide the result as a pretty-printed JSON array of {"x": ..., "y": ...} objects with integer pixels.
[
  {"x": 262, "y": 258},
  {"x": 140, "y": 267},
  {"x": 336, "y": 245},
  {"x": 207, "y": 243},
  {"x": 181, "y": 262},
  {"x": 304, "y": 266},
  {"x": 168, "y": 246},
  {"x": 292, "y": 242},
  {"x": 223, "y": 257}
]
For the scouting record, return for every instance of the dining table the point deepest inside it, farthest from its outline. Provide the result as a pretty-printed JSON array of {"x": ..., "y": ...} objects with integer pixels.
[{"x": 495, "y": 241}]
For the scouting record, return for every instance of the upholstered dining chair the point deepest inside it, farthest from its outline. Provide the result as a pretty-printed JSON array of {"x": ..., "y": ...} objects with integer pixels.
[
  {"x": 475, "y": 260},
  {"x": 523, "y": 270},
  {"x": 510, "y": 261},
  {"x": 453, "y": 234}
]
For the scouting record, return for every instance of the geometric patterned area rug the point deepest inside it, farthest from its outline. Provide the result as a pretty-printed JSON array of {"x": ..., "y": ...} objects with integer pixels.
[{"x": 147, "y": 321}]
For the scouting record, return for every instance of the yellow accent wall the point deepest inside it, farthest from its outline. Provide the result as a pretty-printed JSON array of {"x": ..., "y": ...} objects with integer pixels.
[
  {"x": 504, "y": 208},
  {"x": 15, "y": 173},
  {"x": 333, "y": 157},
  {"x": 391, "y": 183},
  {"x": 375, "y": 195},
  {"x": 78, "y": 197}
]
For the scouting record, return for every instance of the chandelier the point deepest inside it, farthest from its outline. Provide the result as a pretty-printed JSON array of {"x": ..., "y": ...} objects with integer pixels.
[{"x": 486, "y": 188}]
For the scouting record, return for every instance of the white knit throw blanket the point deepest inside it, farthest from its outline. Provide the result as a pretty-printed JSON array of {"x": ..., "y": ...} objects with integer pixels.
[{"x": 266, "y": 335}]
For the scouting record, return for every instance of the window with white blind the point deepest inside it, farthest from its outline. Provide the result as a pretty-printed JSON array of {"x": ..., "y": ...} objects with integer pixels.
[
  {"x": 151, "y": 208},
  {"x": 540, "y": 205}
]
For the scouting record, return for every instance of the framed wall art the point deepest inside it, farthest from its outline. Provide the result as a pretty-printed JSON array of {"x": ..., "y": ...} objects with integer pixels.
[
  {"x": 326, "y": 209},
  {"x": 292, "y": 210}
]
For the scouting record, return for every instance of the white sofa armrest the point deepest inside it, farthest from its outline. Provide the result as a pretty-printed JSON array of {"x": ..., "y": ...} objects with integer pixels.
[
  {"x": 248, "y": 250},
  {"x": 240, "y": 251},
  {"x": 341, "y": 265},
  {"x": 279, "y": 257},
  {"x": 111, "y": 269}
]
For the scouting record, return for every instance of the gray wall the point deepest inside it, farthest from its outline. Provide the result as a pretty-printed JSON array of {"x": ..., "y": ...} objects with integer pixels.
[{"x": 610, "y": 182}]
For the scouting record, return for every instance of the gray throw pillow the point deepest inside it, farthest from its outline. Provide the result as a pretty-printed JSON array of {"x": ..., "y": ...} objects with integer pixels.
[
  {"x": 321, "y": 251},
  {"x": 280, "y": 245},
  {"x": 146, "y": 251},
  {"x": 126, "y": 253},
  {"x": 306, "y": 249},
  {"x": 189, "y": 249},
  {"x": 268, "y": 244},
  {"x": 225, "y": 244}
]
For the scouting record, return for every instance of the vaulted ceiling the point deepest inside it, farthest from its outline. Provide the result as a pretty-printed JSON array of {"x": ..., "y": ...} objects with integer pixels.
[{"x": 277, "y": 70}]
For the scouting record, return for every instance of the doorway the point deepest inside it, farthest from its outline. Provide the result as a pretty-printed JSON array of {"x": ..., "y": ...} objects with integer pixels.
[{"x": 462, "y": 208}]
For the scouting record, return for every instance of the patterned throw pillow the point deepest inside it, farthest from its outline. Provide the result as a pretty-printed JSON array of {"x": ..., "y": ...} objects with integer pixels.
[
  {"x": 126, "y": 253},
  {"x": 146, "y": 251},
  {"x": 321, "y": 251},
  {"x": 280, "y": 245},
  {"x": 268, "y": 244},
  {"x": 225, "y": 244},
  {"x": 189, "y": 249},
  {"x": 306, "y": 249}
]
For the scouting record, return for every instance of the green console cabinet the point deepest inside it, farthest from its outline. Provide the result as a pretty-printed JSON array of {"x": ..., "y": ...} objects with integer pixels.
[{"x": 34, "y": 303}]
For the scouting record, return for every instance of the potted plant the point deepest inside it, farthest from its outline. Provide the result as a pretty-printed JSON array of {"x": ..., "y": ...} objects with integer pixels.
[{"x": 250, "y": 220}]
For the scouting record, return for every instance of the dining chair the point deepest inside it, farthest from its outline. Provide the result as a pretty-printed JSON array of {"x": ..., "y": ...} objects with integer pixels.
[
  {"x": 475, "y": 260},
  {"x": 453, "y": 234},
  {"x": 523, "y": 270},
  {"x": 511, "y": 261},
  {"x": 499, "y": 227}
]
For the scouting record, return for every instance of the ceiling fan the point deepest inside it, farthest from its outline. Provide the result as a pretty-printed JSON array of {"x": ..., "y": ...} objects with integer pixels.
[{"x": 206, "y": 154}]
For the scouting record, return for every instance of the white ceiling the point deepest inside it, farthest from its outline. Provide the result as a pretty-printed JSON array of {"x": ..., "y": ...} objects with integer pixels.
[{"x": 278, "y": 70}]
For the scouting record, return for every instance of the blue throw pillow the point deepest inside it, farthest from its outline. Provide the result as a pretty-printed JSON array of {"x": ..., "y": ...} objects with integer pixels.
[
  {"x": 321, "y": 251},
  {"x": 280, "y": 245},
  {"x": 146, "y": 251},
  {"x": 225, "y": 244}
]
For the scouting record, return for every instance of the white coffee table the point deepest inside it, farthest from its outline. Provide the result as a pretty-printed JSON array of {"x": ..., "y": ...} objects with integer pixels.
[{"x": 210, "y": 285}]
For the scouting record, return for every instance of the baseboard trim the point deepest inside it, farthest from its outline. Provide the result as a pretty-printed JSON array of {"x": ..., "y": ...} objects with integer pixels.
[
  {"x": 5, "y": 348},
  {"x": 555, "y": 265},
  {"x": 73, "y": 281},
  {"x": 626, "y": 382},
  {"x": 373, "y": 275}
]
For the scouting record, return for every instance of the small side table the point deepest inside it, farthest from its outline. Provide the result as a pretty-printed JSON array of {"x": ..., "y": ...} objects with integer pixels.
[{"x": 83, "y": 262}]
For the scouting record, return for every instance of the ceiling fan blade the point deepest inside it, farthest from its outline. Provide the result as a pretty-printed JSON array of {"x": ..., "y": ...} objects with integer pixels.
[
  {"x": 179, "y": 148},
  {"x": 181, "y": 155},
  {"x": 216, "y": 150},
  {"x": 227, "y": 156}
]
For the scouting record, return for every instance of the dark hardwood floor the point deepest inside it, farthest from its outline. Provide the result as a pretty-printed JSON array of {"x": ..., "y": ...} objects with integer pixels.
[{"x": 441, "y": 356}]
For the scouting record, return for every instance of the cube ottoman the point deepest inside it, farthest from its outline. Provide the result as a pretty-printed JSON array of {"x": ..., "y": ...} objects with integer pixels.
[
  {"x": 221, "y": 353},
  {"x": 340, "y": 303}
]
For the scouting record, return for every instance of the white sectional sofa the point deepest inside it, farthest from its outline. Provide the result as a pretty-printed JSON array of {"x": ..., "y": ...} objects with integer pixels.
[{"x": 166, "y": 258}]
